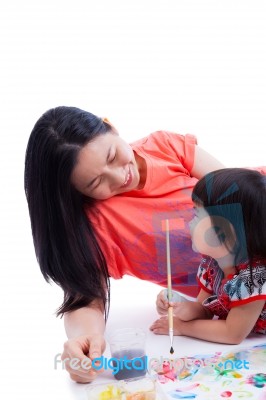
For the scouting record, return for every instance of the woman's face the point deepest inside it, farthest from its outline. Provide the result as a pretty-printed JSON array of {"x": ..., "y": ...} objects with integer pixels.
[{"x": 106, "y": 167}]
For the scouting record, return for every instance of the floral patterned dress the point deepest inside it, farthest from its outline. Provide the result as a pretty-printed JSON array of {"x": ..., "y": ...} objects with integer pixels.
[{"x": 246, "y": 285}]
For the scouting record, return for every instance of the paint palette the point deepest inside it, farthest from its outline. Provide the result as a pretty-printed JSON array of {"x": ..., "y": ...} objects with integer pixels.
[
  {"x": 235, "y": 375},
  {"x": 132, "y": 389}
]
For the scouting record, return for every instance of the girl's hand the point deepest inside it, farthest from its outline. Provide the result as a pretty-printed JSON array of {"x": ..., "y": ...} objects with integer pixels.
[
  {"x": 161, "y": 326},
  {"x": 162, "y": 303},
  {"x": 78, "y": 354}
]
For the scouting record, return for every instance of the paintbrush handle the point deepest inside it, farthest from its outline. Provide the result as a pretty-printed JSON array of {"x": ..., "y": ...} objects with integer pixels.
[
  {"x": 170, "y": 317},
  {"x": 168, "y": 262}
]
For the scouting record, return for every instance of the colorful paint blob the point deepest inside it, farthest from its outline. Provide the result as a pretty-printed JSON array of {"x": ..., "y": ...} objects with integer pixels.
[
  {"x": 257, "y": 380},
  {"x": 230, "y": 373},
  {"x": 226, "y": 394},
  {"x": 203, "y": 377},
  {"x": 110, "y": 393},
  {"x": 133, "y": 389},
  {"x": 179, "y": 394}
]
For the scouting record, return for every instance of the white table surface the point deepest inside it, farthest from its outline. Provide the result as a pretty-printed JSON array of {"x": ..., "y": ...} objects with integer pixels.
[{"x": 133, "y": 305}]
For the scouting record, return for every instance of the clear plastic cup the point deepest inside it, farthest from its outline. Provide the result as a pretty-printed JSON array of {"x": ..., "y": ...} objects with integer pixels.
[
  {"x": 140, "y": 389},
  {"x": 128, "y": 353}
]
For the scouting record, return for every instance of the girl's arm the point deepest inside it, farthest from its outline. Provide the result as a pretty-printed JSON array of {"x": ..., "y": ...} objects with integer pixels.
[
  {"x": 185, "y": 310},
  {"x": 233, "y": 330},
  {"x": 238, "y": 324},
  {"x": 190, "y": 310},
  {"x": 204, "y": 163},
  {"x": 85, "y": 330}
]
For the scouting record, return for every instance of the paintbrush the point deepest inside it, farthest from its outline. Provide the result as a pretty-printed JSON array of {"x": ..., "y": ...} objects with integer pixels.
[{"x": 169, "y": 288}]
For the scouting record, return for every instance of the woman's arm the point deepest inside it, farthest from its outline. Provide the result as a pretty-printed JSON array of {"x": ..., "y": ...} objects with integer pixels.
[
  {"x": 85, "y": 330},
  {"x": 86, "y": 319},
  {"x": 204, "y": 163}
]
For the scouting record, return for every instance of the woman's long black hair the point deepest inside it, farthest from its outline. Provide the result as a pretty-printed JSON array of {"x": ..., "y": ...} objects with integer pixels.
[
  {"x": 238, "y": 197},
  {"x": 65, "y": 245}
]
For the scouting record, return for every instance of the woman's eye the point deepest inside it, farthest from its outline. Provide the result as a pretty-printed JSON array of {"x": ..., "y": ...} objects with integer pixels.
[
  {"x": 112, "y": 158},
  {"x": 97, "y": 184}
]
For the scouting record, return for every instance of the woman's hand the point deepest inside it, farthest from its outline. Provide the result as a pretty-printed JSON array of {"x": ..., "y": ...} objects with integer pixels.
[
  {"x": 85, "y": 330},
  {"x": 78, "y": 354}
]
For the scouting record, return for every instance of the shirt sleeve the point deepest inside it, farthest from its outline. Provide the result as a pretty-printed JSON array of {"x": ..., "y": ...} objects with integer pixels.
[
  {"x": 184, "y": 148},
  {"x": 170, "y": 146}
]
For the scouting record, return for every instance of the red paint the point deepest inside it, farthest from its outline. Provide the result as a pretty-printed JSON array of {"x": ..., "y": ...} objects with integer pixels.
[{"x": 226, "y": 394}]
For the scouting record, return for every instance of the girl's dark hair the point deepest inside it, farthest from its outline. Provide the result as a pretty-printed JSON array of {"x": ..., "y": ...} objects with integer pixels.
[
  {"x": 237, "y": 195},
  {"x": 65, "y": 245}
]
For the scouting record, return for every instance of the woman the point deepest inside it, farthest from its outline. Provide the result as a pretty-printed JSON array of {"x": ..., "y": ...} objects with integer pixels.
[{"x": 97, "y": 206}]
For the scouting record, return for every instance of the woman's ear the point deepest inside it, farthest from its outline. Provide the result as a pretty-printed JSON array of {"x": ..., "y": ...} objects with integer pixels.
[{"x": 106, "y": 120}]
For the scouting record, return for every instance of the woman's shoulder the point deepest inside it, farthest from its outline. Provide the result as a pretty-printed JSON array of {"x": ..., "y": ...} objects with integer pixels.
[
  {"x": 152, "y": 137},
  {"x": 165, "y": 137},
  {"x": 168, "y": 144}
]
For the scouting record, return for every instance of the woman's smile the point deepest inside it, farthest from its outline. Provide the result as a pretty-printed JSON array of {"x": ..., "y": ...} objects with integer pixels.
[{"x": 128, "y": 179}]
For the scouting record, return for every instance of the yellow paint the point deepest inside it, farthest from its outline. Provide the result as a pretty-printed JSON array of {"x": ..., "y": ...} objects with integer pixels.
[
  {"x": 114, "y": 393},
  {"x": 111, "y": 393}
]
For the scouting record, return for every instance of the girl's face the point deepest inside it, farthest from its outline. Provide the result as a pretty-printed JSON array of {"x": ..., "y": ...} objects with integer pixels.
[
  {"x": 205, "y": 237},
  {"x": 106, "y": 167}
]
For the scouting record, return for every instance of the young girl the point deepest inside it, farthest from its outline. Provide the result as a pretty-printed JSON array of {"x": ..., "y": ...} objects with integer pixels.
[{"x": 228, "y": 229}]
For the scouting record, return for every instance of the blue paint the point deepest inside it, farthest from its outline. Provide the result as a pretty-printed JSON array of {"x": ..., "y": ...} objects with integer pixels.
[{"x": 178, "y": 394}]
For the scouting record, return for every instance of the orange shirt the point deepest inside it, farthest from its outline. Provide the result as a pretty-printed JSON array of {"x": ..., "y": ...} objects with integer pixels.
[{"x": 129, "y": 226}]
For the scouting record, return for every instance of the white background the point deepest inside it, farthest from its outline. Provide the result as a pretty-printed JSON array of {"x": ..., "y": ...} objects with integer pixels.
[{"x": 193, "y": 66}]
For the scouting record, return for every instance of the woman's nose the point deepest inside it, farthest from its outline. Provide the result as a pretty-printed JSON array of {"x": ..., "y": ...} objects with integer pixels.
[{"x": 118, "y": 176}]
